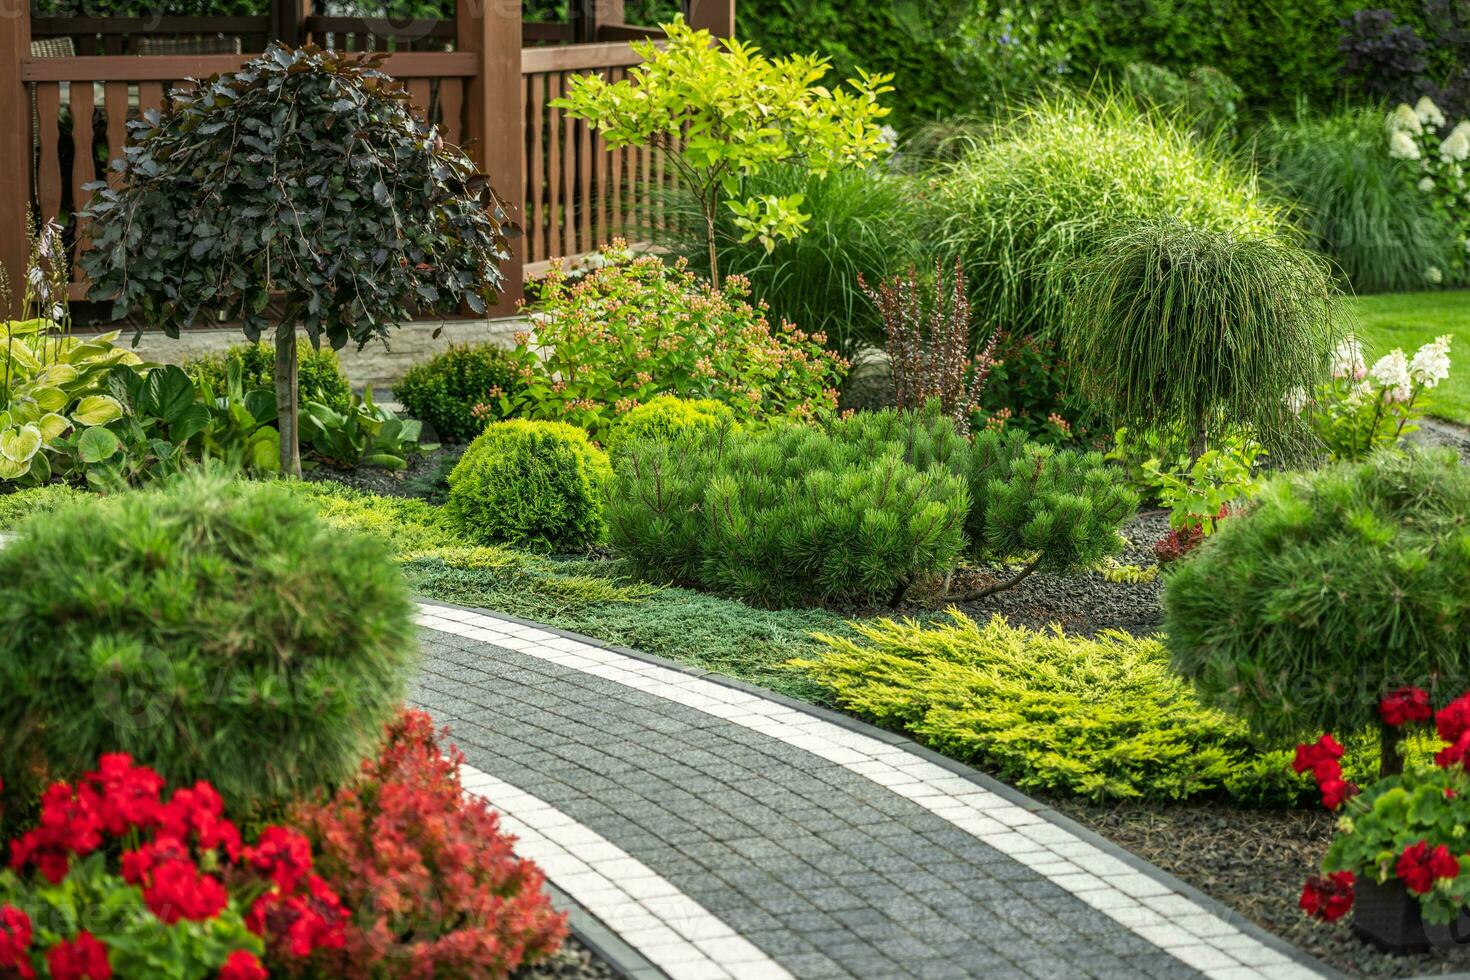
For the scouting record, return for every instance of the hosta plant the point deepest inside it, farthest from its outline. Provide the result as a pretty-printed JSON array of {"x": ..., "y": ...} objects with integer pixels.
[
  {"x": 1408, "y": 827},
  {"x": 119, "y": 878},
  {"x": 1362, "y": 409},
  {"x": 635, "y": 328},
  {"x": 365, "y": 434}
]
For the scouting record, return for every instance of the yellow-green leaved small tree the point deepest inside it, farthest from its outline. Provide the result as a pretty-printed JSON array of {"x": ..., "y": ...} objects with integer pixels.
[{"x": 721, "y": 113}]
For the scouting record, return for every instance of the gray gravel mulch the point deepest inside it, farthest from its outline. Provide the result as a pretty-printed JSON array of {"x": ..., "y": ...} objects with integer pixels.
[{"x": 574, "y": 961}]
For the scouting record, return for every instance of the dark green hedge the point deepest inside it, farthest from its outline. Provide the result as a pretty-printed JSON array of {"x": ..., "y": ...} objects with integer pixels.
[{"x": 1275, "y": 51}]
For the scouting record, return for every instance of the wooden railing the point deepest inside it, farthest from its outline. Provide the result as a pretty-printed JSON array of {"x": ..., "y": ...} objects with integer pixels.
[{"x": 71, "y": 113}]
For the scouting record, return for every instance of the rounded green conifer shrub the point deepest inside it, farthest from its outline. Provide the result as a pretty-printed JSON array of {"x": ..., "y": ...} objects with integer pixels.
[
  {"x": 1336, "y": 588},
  {"x": 213, "y": 629},
  {"x": 538, "y": 485},
  {"x": 666, "y": 417},
  {"x": 460, "y": 390}
]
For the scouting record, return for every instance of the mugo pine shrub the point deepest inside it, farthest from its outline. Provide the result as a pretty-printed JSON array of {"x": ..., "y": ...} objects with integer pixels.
[
  {"x": 1059, "y": 509},
  {"x": 212, "y": 630},
  {"x": 795, "y": 514},
  {"x": 1338, "y": 587},
  {"x": 539, "y": 485}
]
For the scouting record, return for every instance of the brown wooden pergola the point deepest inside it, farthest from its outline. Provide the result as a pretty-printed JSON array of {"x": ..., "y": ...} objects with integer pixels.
[{"x": 69, "y": 85}]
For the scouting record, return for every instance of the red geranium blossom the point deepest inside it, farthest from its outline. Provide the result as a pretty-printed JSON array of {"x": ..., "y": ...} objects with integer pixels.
[
  {"x": 177, "y": 890},
  {"x": 1336, "y": 792},
  {"x": 129, "y": 793},
  {"x": 1325, "y": 749},
  {"x": 1453, "y": 725},
  {"x": 69, "y": 824},
  {"x": 1418, "y": 867},
  {"x": 84, "y": 958},
  {"x": 1328, "y": 898},
  {"x": 304, "y": 923},
  {"x": 1407, "y": 705},
  {"x": 15, "y": 941},
  {"x": 200, "y": 811},
  {"x": 282, "y": 855},
  {"x": 242, "y": 965}
]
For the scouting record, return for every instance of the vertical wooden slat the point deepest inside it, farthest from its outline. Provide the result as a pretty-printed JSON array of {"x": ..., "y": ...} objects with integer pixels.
[
  {"x": 418, "y": 92},
  {"x": 115, "y": 104},
  {"x": 150, "y": 96},
  {"x": 451, "y": 109},
  {"x": 536, "y": 180},
  {"x": 586, "y": 203},
  {"x": 48, "y": 138},
  {"x": 84, "y": 162},
  {"x": 569, "y": 185},
  {"x": 15, "y": 148},
  {"x": 553, "y": 171}
]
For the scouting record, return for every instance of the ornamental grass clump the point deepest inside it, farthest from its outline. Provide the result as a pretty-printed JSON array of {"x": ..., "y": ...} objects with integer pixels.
[
  {"x": 1335, "y": 588},
  {"x": 212, "y": 629},
  {"x": 1060, "y": 179},
  {"x": 796, "y": 515},
  {"x": 539, "y": 485}
]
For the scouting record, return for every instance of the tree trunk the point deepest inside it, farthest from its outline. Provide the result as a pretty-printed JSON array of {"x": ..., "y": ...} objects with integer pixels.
[
  {"x": 1391, "y": 756},
  {"x": 286, "y": 408}
]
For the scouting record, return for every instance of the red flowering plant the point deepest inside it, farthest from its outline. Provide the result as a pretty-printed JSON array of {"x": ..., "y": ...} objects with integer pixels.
[
  {"x": 434, "y": 887},
  {"x": 1407, "y": 827},
  {"x": 165, "y": 886}
]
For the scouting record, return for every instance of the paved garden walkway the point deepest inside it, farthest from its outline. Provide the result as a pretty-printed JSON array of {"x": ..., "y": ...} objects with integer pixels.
[{"x": 720, "y": 831}]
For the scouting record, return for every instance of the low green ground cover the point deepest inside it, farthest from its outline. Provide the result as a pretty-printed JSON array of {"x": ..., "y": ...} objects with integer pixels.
[{"x": 1409, "y": 320}]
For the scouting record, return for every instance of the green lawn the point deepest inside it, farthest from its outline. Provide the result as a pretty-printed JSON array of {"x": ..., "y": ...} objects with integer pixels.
[{"x": 1408, "y": 320}]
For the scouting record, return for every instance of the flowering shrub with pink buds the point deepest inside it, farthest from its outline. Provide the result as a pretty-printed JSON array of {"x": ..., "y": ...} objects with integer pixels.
[
  {"x": 1408, "y": 827},
  {"x": 1363, "y": 408},
  {"x": 117, "y": 880},
  {"x": 635, "y": 328}
]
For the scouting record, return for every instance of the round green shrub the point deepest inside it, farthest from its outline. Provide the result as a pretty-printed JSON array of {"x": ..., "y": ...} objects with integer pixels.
[
  {"x": 215, "y": 630},
  {"x": 1057, "y": 181},
  {"x": 445, "y": 390},
  {"x": 319, "y": 375},
  {"x": 1337, "y": 587},
  {"x": 666, "y": 417},
  {"x": 534, "y": 484}
]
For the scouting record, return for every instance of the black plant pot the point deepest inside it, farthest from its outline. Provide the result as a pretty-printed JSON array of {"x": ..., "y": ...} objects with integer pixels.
[{"x": 1388, "y": 917}]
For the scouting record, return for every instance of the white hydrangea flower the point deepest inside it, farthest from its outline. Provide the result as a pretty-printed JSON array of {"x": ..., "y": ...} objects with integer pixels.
[
  {"x": 1404, "y": 120},
  {"x": 1434, "y": 275},
  {"x": 1391, "y": 373},
  {"x": 1426, "y": 184},
  {"x": 1456, "y": 146},
  {"x": 1401, "y": 146},
  {"x": 1347, "y": 359},
  {"x": 1431, "y": 363},
  {"x": 1296, "y": 400},
  {"x": 1428, "y": 113}
]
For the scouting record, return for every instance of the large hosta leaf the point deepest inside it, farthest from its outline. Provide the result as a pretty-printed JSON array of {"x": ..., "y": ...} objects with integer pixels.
[
  {"x": 21, "y": 443},
  {"x": 97, "y": 410},
  {"x": 97, "y": 444},
  {"x": 52, "y": 426}
]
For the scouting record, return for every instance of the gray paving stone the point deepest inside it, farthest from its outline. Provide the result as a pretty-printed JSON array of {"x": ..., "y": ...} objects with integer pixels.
[{"x": 828, "y": 873}]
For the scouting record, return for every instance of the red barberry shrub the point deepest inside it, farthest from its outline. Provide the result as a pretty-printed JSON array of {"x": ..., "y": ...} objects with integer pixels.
[{"x": 430, "y": 880}]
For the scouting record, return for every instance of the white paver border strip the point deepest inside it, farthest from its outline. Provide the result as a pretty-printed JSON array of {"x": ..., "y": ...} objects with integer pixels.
[
  {"x": 649, "y": 913},
  {"x": 1166, "y": 919}
]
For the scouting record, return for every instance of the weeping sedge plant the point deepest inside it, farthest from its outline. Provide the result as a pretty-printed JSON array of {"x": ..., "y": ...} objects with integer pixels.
[{"x": 1180, "y": 328}]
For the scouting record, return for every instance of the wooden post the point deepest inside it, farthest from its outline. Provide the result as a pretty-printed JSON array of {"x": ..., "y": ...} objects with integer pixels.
[
  {"x": 715, "y": 16},
  {"x": 495, "y": 116},
  {"x": 15, "y": 150}
]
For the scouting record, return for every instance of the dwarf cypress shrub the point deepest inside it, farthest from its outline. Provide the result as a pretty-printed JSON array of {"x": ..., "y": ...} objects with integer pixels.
[
  {"x": 795, "y": 514},
  {"x": 214, "y": 630},
  {"x": 1336, "y": 588},
  {"x": 666, "y": 417},
  {"x": 534, "y": 484}
]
